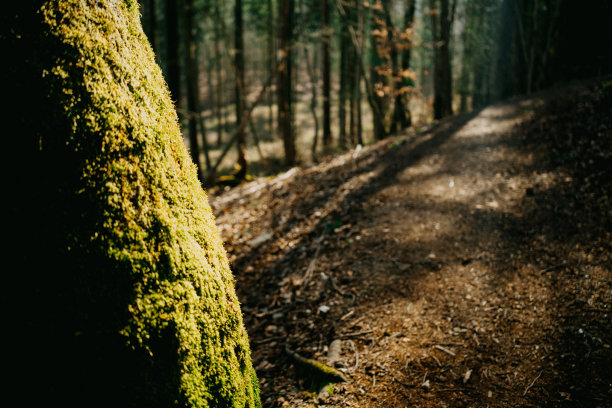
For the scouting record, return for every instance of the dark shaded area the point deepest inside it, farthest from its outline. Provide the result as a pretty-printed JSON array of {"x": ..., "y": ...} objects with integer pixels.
[
  {"x": 574, "y": 135},
  {"x": 585, "y": 40}
]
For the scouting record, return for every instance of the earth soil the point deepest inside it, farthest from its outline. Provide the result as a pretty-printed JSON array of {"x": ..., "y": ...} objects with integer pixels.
[{"x": 463, "y": 265}]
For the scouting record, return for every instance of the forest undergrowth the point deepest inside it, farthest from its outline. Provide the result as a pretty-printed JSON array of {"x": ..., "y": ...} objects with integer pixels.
[{"x": 468, "y": 265}]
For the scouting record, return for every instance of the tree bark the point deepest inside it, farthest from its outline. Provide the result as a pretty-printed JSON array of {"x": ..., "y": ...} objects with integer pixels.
[
  {"x": 344, "y": 77},
  {"x": 239, "y": 89},
  {"x": 285, "y": 88},
  {"x": 193, "y": 90},
  {"x": 314, "y": 99},
  {"x": 325, "y": 46},
  {"x": 441, "y": 30},
  {"x": 378, "y": 80},
  {"x": 220, "y": 79},
  {"x": 271, "y": 62},
  {"x": 173, "y": 73},
  {"x": 358, "y": 44},
  {"x": 122, "y": 300},
  {"x": 401, "y": 113}
]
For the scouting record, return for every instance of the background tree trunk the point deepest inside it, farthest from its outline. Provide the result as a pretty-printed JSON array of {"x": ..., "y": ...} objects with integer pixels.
[
  {"x": 239, "y": 88},
  {"x": 285, "y": 119},
  {"x": 173, "y": 73},
  {"x": 377, "y": 100},
  {"x": 441, "y": 30},
  {"x": 344, "y": 79},
  {"x": 402, "y": 112},
  {"x": 220, "y": 78},
  {"x": 193, "y": 90},
  {"x": 271, "y": 62},
  {"x": 149, "y": 22},
  {"x": 325, "y": 72}
]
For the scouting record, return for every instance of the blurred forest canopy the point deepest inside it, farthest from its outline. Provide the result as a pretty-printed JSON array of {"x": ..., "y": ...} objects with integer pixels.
[{"x": 274, "y": 83}]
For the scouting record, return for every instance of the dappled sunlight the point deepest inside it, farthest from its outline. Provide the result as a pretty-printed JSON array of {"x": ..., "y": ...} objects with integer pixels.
[
  {"x": 446, "y": 261},
  {"x": 499, "y": 118}
]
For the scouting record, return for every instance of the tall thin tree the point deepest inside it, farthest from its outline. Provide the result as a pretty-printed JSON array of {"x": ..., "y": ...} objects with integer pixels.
[
  {"x": 285, "y": 86},
  {"x": 326, "y": 74},
  {"x": 193, "y": 89},
  {"x": 402, "y": 79},
  {"x": 441, "y": 32},
  {"x": 173, "y": 73},
  {"x": 239, "y": 89}
]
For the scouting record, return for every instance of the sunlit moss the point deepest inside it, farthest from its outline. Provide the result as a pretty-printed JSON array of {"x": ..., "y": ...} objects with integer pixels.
[{"x": 133, "y": 275}]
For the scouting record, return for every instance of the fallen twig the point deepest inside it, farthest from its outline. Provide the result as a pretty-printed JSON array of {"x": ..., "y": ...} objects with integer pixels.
[
  {"x": 532, "y": 383},
  {"x": 450, "y": 389},
  {"x": 357, "y": 334},
  {"x": 444, "y": 349},
  {"x": 347, "y": 315},
  {"x": 436, "y": 360},
  {"x": 553, "y": 268},
  {"x": 356, "y": 354}
]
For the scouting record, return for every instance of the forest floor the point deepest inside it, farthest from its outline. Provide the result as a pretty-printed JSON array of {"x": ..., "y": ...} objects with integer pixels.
[{"x": 468, "y": 265}]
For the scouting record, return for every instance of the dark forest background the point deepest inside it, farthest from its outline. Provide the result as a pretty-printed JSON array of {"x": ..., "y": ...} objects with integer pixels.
[{"x": 262, "y": 85}]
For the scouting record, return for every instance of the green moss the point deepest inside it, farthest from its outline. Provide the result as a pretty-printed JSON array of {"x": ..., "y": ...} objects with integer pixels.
[{"x": 130, "y": 258}]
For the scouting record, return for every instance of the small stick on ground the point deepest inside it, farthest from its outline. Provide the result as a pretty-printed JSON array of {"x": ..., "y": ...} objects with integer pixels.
[
  {"x": 356, "y": 354},
  {"x": 357, "y": 334},
  {"x": 447, "y": 351},
  {"x": 532, "y": 383},
  {"x": 347, "y": 315},
  {"x": 436, "y": 360}
]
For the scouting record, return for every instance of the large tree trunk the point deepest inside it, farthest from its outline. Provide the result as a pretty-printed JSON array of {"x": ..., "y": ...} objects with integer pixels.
[
  {"x": 123, "y": 296},
  {"x": 285, "y": 119}
]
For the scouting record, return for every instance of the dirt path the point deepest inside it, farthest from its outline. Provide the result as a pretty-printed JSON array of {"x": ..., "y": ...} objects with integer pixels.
[{"x": 467, "y": 266}]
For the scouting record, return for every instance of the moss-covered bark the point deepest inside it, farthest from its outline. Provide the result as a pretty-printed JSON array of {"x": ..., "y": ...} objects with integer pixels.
[{"x": 123, "y": 291}]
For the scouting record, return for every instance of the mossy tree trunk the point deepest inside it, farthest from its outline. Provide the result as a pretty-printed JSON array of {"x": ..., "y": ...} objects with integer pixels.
[{"x": 122, "y": 293}]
